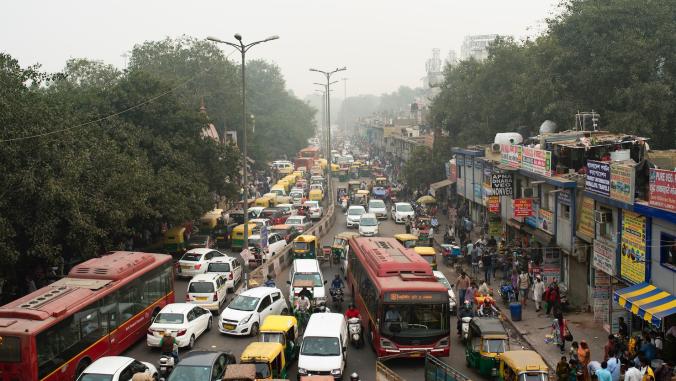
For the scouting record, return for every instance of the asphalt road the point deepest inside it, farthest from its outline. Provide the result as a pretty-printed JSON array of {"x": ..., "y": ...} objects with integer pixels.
[{"x": 361, "y": 360}]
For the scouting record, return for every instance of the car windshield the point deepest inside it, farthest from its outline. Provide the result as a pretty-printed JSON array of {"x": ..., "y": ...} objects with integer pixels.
[
  {"x": 533, "y": 376},
  {"x": 378, "y": 204},
  {"x": 168, "y": 318},
  {"x": 404, "y": 208},
  {"x": 320, "y": 346},
  {"x": 218, "y": 267},
  {"x": 368, "y": 221},
  {"x": 188, "y": 372},
  {"x": 192, "y": 257},
  {"x": 296, "y": 194},
  {"x": 244, "y": 303},
  {"x": 415, "y": 320},
  {"x": 201, "y": 287},
  {"x": 95, "y": 377},
  {"x": 445, "y": 282},
  {"x": 494, "y": 345},
  {"x": 299, "y": 278},
  {"x": 355, "y": 211},
  {"x": 272, "y": 337}
]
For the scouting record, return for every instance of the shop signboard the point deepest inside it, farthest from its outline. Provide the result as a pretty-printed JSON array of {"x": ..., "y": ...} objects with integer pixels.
[
  {"x": 477, "y": 192},
  {"x": 663, "y": 189},
  {"x": 597, "y": 179},
  {"x": 494, "y": 204},
  {"x": 453, "y": 170},
  {"x": 546, "y": 220},
  {"x": 523, "y": 207},
  {"x": 487, "y": 171},
  {"x": 534, "y": 219},
  {"x": 510, "y": 154},
  {"x": 633, "y": 247},
  {"x": 622, "y": 180},
  {"x": 585, "y": 225},
  {"x": 537, "y": 161},
  {"x": 564, "y": 197},
  {"x": 495, "y": 228},
  {"x": 502, "y": 184},
  {"x": 604, "y": 256},
  {"x": 551, "y": 273}
]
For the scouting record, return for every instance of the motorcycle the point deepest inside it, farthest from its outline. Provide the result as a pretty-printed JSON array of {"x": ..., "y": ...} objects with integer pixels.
[
  {"x": 337, "y": 297},
  {"x": 354, "y": 328},
  {"x": 507, "y": 293},
  {"x": 464, "y": 328},
  {"x": 166, "y": 365}
]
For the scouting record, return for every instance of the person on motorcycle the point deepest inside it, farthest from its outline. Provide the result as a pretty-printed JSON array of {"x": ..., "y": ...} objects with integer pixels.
[
  {"x": 302, "y": 302},
  {"x": 487, "y": 308},
  {"x": 337, "y": 282},
  {"x": 352, "y": 312},
  {"x": 269, "y": 282},
  {"x": 169, "y": 346},
  {"x": 306, "y": 293},
  {"x": 465, "y": 311}
]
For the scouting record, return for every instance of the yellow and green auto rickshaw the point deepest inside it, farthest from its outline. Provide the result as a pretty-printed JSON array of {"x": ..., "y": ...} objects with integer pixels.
[
  {"x": 209, "y": 221},
  {"x": 353, "y": 172},
  {"x": 353, "y": 186},
  {"x": 291, "y": 178},
  {"x": 268, "y": 358},
  {"x": 305, "y": 246},
  {"x": 323, "y": 164},
  {"x": 281, "y": 329},
  {"x": 335, "y": 168},
  {"x": 381, "y": 182},
  {"x": 284, "y": 183},
  {"x": 487, "y": 340},
  {"x": 174, "y": 240},
  {"x": 238, "y": 235},
  {"x": 265, "y": 201},
  {"x": 339, "y": 246},
  {"x": 429, "y": 254},
  {"x": 316, "y": 195},
  {"x": 522, "y": 365},
  {"x": 409, "y": 241}
]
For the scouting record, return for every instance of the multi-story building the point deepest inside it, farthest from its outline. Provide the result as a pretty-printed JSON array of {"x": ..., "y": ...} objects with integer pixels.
[{"x": 476, "y": 46}]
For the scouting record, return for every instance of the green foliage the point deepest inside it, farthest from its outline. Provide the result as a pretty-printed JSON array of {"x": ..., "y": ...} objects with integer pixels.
[
  {"x": 423, "y": 167},
  {"x": 616, "y": 57}
]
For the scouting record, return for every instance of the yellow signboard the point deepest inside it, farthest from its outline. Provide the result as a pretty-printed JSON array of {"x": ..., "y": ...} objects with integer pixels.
[
  {"x": 633, "y": 247},
  {"x": 585, "y": 224}
]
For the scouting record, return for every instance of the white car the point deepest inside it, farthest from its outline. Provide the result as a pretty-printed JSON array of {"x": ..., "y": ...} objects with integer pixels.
[
  {"x": 195, "y": 261},
  {"x": 378, "y": 208},
  {"x": 451, "y": 295},
  {"x": 368, "y": 225},
  {"x": 116, "y": 368},
  {"x": 287, "y": 208},
  {"x": 207, "y": 290},
  {"x": 296, "y": 196},
  {"x": 402, "y": 211},
  {"x": 275, "y": 244},
  {"x": 229, "y": 267},
  {"x": 353, "y": 215},
  {"x": 246, "y": 312},
  {"x": 185, "y": 321},
  {"x": 315, "y": 209},
  {"x": 301, "y": 223},
  {"x": 260, "y": 222},
  {"x": 255, "y": 210}
]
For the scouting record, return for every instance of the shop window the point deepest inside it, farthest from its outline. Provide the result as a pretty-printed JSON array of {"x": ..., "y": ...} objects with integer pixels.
[
  {"x": 604, "y": 219},
  {"x": 565, "y": 211},
  {"x": 668, "y": 250}
]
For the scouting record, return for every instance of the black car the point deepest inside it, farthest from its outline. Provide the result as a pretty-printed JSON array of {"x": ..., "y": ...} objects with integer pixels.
[{"x": 202, "y": 366}]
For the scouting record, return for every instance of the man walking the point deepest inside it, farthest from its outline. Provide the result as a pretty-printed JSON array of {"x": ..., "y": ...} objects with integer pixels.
[
  {"x": 462, "y": 284},
  {"x": 538, "y": 292},
  {"x": 524, "y": 285},
  {"x": 488, "y": 265}
]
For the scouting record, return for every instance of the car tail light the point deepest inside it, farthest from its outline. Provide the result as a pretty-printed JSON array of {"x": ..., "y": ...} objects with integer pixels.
[
  {"x": 151, "y": 332},
  {"x": 187, "y": 297},
  {"x": 197, "y": 266},
  {"x": 181, "y": 332},
  {"x": 215, "y": 297},
  {"x": 230, "y": 276}
]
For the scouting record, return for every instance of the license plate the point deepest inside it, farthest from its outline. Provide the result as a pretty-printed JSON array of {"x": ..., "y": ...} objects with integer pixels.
[
  {"x": 201, "y": 298},
  {"x": 416, "y": 354},
  {"x": 184, "y": 267},
  {"x": 229, "y": 327}
]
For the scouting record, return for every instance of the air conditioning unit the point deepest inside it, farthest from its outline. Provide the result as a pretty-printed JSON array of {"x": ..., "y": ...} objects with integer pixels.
[
  {"x": 495, "y": 148},
  {"x": 529, "y": 192},
  {"x": 602, "y": 217}
]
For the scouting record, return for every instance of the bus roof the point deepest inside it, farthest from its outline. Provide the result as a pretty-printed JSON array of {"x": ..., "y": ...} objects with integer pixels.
[
  {"x": 29, "y": 313},
  {"x": 387, "y": 257}
]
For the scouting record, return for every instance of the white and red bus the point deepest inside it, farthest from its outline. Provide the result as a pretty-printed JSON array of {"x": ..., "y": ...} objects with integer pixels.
[
  {"x": 309, "y": 152},
  {"x": 101, "y": 308},
  {"x": 404, "y": 308}
]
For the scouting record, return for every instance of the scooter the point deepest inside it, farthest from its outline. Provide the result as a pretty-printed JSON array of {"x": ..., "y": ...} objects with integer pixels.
[
  {"x": 464, "y": 328},
  {"x": 166, "y": 365},
  {"x": 354, "y": 328},
  {"x": 507, "y": 293},
  {"x": 337, "y": 297}
]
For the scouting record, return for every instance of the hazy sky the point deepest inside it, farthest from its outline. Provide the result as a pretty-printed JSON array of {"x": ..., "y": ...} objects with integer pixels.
[{"x": 384, "y": 44}]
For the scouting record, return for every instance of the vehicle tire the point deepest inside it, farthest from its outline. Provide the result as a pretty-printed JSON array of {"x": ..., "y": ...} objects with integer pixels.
[
  {"x": 254, "y": 329},
  {"x": 285, "y": 311},
  {"x": 84, "y": 363},
  {"x": 209, "y": 324},
  {"x": 156, "y": 377},
  {"x": 191, "y": 343}
]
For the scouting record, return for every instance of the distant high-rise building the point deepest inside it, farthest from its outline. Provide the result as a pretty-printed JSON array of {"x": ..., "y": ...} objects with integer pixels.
[
  {"x": 452, "y": 58},
  {"x": 433, "y": 69},
  {"x": 476, "y": 46}
]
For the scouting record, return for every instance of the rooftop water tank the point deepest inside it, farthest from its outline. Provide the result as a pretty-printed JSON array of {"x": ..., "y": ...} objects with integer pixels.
[{"x": 548, "y": 127}]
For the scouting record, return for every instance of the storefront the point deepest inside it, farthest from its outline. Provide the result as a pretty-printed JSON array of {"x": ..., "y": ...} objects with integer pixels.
[{"x": 652, "y": 308}]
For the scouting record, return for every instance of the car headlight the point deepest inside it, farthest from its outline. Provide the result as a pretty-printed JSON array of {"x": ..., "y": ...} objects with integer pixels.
[
  {"x": 335, "y": 372},
  {"x": 246, "y": 320},
  {"x": 302, "y": 371}
]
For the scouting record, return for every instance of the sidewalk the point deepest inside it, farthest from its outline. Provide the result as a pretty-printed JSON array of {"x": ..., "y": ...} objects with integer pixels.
[{"x": 534, "y": 327}]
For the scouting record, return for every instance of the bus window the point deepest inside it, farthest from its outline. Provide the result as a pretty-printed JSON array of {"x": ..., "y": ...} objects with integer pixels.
[{"x": 109, "y": 313}]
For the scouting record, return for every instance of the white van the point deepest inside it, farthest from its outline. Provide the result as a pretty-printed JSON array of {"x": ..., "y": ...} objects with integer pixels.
[
  {"x": 324, "y": 346},
  {"x": 207, "y": 290},
  {"x": 302, "y": 272}
]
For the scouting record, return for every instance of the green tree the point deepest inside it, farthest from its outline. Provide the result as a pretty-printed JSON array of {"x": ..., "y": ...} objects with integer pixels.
[{"x": 423, "y": 167}]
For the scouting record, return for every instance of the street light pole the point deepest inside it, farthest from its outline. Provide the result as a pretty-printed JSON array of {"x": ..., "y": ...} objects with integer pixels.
[
  {"x": 243, "y": 48},
  {"x": 328, "y": 74}
]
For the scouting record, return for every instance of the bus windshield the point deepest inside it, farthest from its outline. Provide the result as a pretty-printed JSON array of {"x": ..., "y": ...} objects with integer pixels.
[{"x": 415, "y": 320}]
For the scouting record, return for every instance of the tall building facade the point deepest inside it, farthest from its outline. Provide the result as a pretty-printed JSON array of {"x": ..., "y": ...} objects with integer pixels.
[{"x": 476, "y": 46}]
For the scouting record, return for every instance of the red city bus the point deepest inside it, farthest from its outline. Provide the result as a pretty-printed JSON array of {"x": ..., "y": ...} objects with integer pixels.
[
  {"x": 311, "y": 152},
  {"x": 404, "y": 308},
  {"x": 101, "y": 308}
]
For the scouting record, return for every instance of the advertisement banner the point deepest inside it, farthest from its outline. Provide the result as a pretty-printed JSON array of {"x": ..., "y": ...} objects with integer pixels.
[
  {"x": 477, "y": 192},
  {"x": 536, "y": 161},
  {"x": 453, "y": 170},
  {"x": 523, "y": 207},
  {"x": 495, "y": 228},
  {"x": 663, "y": 189},
  {"x": 622, "y": 180},
  {"x": 510, "y": 154},
  {"x": 534, "y": 219},
  {"x": 564, "y": 197},
  {"x": 546, "y": 221},
  {"x": 598, "y": 178},
  {"x": 502, "y": 184},
  {"x": 585, "y": 224},
  {"x": 494, "y": 204},
  {"x": 604, "y": 256},
  {"x": 633, "y": 247},
  {"x": 460, "y": 187}
]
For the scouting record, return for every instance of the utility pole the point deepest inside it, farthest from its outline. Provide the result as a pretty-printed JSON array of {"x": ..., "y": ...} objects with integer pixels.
[
  {"x": 344, "y": 108},
  {"x": 328, "y": 74}
]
